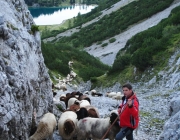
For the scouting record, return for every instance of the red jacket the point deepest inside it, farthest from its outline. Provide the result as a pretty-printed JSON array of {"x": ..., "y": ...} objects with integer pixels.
[{"x": 129, "y": 116}]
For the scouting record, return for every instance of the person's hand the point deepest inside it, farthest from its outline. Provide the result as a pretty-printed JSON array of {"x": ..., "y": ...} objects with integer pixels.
[
  {"x": 130, "y": 102},
  {"x": 119, "y": 110}
]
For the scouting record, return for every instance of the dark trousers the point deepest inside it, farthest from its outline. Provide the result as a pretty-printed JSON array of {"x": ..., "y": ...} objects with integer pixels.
[{"x": 125, "y": 132}]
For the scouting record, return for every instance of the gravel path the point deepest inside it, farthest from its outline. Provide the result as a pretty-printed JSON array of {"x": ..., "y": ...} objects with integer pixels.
[{"x": 151, "y": 102}]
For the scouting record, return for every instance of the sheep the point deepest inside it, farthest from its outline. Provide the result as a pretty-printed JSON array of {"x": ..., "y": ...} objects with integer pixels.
[
  {"x": 54, "y": 93},
  {"x": 96, "y": 128},
  {"x": 93, "y": 91},
  {"x": 111, "y": 94},
  {"x": 119, "y": 93},
  {"x": 63, "y": 95},
  {"x": 73, "y": 74},
  {"x": 61, "y": 86},
  {"x": 97, "y": 94},
  {"x": 71, "y": 101},
  {"x": 76, "y": 94},
  {"x": 86, "y": 92},
  {"x": 117, "y": 97},
  {"x": 83, "y": 103},
  {"x": 66, "y": 99},
  {"x": 84, "y": 97},
  {"x": 45, "y": 127},
  {"x": 67, "y": 125},
  {"x": 70, "y": 63},
  {"x": 82, "y": 113},
  {"x": 92, "y": 111},
  {"x": 69, "y": 78},
  {"x": 107, "y": 93}
]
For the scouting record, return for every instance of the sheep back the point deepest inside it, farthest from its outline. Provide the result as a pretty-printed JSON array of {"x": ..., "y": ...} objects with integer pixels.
[
  {"x": 97, "y": 127},
  {"x": 45, "y": 127},
  {"x": 92, "y": 111},
  {"x": 71, "y": 101},
  {"x": 92, "y": 127},
  {"x": 67, "y": 124}
]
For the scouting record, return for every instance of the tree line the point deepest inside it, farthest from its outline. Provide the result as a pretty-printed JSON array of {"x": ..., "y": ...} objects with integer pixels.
[{"x": 50, "y": 3}]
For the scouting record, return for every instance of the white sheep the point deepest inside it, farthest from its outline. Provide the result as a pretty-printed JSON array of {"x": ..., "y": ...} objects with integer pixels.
[
  {"x": 107, "y": 93},
  {"x": 45, "y": 127},
  {"x": 67, "y": 125},
  {"x": 118, "y": 97},
  {"x": 83, "y": 103},
  {"x": 71, "y": 101},
  {"x": 70, "y": 63},
  {"x": 93, "y": 91},
  {"x": 111, "y": 94},
  {"x": 96, "y": 128},
  {"x": 118, "y": 93},
  {"x": 61, "y": 86},
  {"x": 73, "y": 74}
]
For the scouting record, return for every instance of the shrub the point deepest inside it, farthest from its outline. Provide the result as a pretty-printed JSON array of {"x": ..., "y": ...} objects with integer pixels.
[
  {"x": 99, "y": 42},
  {"x": 112, "y": 40},
  {"x": 34, "y": 28},
  {"x": 93, "y": 79},
  {"x": 120, "y": 63},
  {"x": 105, "y": 44}
]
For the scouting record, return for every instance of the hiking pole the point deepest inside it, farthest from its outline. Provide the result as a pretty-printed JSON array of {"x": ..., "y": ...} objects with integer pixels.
[{"x": 109, "y": 128}]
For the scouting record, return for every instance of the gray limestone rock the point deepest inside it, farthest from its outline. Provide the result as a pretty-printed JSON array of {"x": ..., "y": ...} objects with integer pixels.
[
  {"x": 25, "y": 87},
  {"x": 1, "y": 20},
  {"x": 174, "y": 106}
]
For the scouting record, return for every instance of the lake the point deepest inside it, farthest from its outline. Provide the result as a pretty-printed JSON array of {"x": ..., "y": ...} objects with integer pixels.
[{"x": 51, "y": 16}]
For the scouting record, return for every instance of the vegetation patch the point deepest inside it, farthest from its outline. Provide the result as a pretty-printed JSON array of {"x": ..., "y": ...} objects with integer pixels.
[
  {"x": 107, "y": 54},
  {"x": 104, "y": 44},
  {"x": 153, "y": 96},
  {"x": 156, "y": 121},
  {"x": 151, "y": 48},
  {"x": 11, "y": 26},
  {"x": 99, "y": 42},
  {"x": 60, "y": 107},
  {"x": 58, "y": 55},
  {"x": 34, "y": 28},
  {"x": 144, "y": 114},
  {"x": 110, "y": 25},
  {"x": 112, "y": 40}
]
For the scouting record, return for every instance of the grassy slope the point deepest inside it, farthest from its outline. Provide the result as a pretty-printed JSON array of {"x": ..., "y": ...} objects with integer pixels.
[{"x": 128, "y": 73}]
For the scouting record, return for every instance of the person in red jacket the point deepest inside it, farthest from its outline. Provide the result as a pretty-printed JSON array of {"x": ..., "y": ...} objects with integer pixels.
[{"x": 128, "y": 113}]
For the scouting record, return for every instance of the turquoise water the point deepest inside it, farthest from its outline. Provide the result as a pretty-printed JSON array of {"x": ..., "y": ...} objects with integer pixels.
[{"x": 51, "y": 16}]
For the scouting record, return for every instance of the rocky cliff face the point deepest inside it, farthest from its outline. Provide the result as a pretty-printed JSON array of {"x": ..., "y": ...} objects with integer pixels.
[{"x": 25, "y": 86}]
